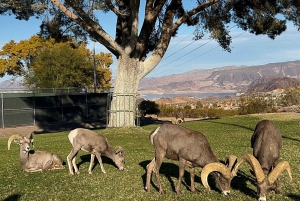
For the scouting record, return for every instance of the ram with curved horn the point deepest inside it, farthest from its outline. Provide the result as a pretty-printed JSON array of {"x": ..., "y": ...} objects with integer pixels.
[
  {"x": 265, "y": 182},
  {"x": 190, "y": 148},
  {"x": 34, "y": 161},
  {"x": 213, "y": 168},
  {"x": 266, "y": 142}
]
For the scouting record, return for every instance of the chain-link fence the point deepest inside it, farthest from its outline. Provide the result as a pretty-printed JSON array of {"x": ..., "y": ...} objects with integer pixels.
[{"x": 49, "y": 108}]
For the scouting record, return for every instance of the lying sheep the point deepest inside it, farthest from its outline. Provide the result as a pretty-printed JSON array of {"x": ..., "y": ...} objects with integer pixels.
[
  {"x": 96, "y": 144},
  {"x": 33, "y": 161},
  {"x": 266, "y": 142},
  {"x": 190, "y": 148}
]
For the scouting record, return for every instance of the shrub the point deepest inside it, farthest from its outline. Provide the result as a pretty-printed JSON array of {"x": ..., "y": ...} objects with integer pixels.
[{"x": 149, "y": 107}]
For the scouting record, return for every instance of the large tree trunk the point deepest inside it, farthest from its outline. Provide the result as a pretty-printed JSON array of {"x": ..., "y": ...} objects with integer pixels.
[{"x": 123, "y": 105}]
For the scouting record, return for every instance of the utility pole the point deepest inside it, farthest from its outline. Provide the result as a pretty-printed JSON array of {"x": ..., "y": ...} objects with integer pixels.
[{"x": 95, "y": 70}]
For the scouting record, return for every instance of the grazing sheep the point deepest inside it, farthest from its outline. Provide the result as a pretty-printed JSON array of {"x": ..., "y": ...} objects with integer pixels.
[
  {"x": 180, "y": 115},
  {"x": 34, "y": 161},
  {"x": 189, "y": 148},
  {"x": 266, "y": 142},
  {"x": 96, "y": 144}
]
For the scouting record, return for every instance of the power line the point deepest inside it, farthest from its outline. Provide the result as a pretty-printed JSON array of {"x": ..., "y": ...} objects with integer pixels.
[
  {"x": 193, "y": 41},
  {"x": 167, "y": 64},
  {"x": 196, "y": 56}
]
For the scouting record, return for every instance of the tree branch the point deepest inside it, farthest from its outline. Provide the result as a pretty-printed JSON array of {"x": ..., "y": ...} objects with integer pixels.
[
  {"x": 134, "y": 5},
  {"x": 151, "y": 13},
  {"x": 90, "y": 26},
  {"x": 169, "y": 29},
  {"x": 192, "y": 12}
]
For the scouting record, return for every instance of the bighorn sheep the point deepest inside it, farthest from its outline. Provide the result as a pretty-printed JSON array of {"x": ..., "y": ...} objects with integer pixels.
[
  {"x": 266, "y": 142},
  {"x": 96, "y": 144},
  {"x": 34, "y": 161},
  {"x": 188, "y": 147},
  {"x": 180, "y": 115}
]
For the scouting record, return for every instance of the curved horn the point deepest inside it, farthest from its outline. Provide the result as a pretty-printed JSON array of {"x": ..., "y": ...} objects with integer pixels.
[
  {"x": 279, "y": 168},
  {"x": 230, "y": 161},
  {"x": 179, "y": 120},
  {"x": 214, "y": 167},
  {"x": 13, "y": 137},
  {"x": 255, "y": 165}
]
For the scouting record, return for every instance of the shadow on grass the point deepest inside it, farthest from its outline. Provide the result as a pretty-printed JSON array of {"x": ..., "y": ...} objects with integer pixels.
[
  {"x": 290, "y": 138},
  {"x": 144, "y": 121},
  {"x": 237, "y": 125},
  {"x": 170, "y": 170},
  {"x": 247, "y": 128},
  {"x": 294, "y": 196},
  {"x": 239, "y": 183},
  {"x": 14, "y": 197},
  {"x": 60, "y": 127},
  {"x": 87, "y": 158}
]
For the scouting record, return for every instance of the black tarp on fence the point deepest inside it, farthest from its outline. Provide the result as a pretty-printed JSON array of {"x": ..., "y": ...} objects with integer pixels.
[{"x": 48, "y": 108}]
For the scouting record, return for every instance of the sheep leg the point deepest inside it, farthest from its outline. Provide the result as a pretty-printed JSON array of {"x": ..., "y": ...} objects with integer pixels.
[
  {"x": 91, "y": 163},
  {"x": 57, "y": 162},
  {"x": 48, "y": 165},
  {"x": 158, "y": 162},
  {"x": 182, "y": 163},
  {"x": 32, "y": 170},
  {"x": 75, "y": 166},
  {"x": 150, "y": 167},
  {"x": 192, "y": 176},
  {"x": 71, "y": 162},
  {"x": 100, "y": 162}
]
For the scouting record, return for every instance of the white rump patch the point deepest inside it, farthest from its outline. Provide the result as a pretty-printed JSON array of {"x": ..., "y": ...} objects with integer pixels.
[
  {"x": 72, "y": 135},
  {"x": 153, "y": 134}
]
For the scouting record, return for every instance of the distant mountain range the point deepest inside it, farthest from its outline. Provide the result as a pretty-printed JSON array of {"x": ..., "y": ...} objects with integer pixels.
[
  {"x": 218, "y": 80},
  {"x": 8, "y": 85}
]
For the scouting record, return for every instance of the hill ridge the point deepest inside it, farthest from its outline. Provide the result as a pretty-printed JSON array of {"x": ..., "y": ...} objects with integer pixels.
[{"x": 218, "y": 80}]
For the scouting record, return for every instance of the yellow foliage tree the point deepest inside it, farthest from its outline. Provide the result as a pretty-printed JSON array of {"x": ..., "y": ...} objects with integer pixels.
[{"x": 35, "y": 58}]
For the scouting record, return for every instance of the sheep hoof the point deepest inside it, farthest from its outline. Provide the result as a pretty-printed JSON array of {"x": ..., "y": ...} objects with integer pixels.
[
  {"x": 163, "y": 192},
  {"x": 195, "y": 191}
]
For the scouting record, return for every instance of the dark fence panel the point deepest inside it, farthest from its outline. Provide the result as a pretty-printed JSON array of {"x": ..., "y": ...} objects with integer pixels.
[
  {"x": 17, "y": 117},
  {"x": 48, "y": 108}
]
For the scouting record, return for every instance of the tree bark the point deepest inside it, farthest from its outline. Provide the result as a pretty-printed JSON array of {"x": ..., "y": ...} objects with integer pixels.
[{"x": 123, "y": 108}]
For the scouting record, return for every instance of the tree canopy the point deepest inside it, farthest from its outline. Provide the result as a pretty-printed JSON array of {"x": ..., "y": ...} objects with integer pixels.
[
  {"x": 143, "y": 34},
  {"x": 48, "y": 64}
]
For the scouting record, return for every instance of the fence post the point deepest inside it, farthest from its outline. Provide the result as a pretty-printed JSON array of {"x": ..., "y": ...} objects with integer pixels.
[
  {"x": 2, "y": 108},
  {"x": 34, "y": 112}
]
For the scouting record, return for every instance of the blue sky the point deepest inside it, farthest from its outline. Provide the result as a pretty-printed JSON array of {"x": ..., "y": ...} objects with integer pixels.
[{"x": 185, "y": 54}]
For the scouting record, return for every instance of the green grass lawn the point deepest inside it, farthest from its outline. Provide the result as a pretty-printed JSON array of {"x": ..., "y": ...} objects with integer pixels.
[{"x": 230, "y": 135}]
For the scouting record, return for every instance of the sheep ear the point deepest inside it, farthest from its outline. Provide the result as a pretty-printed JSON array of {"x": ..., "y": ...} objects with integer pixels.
[{"x": 120, "y": 151}]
